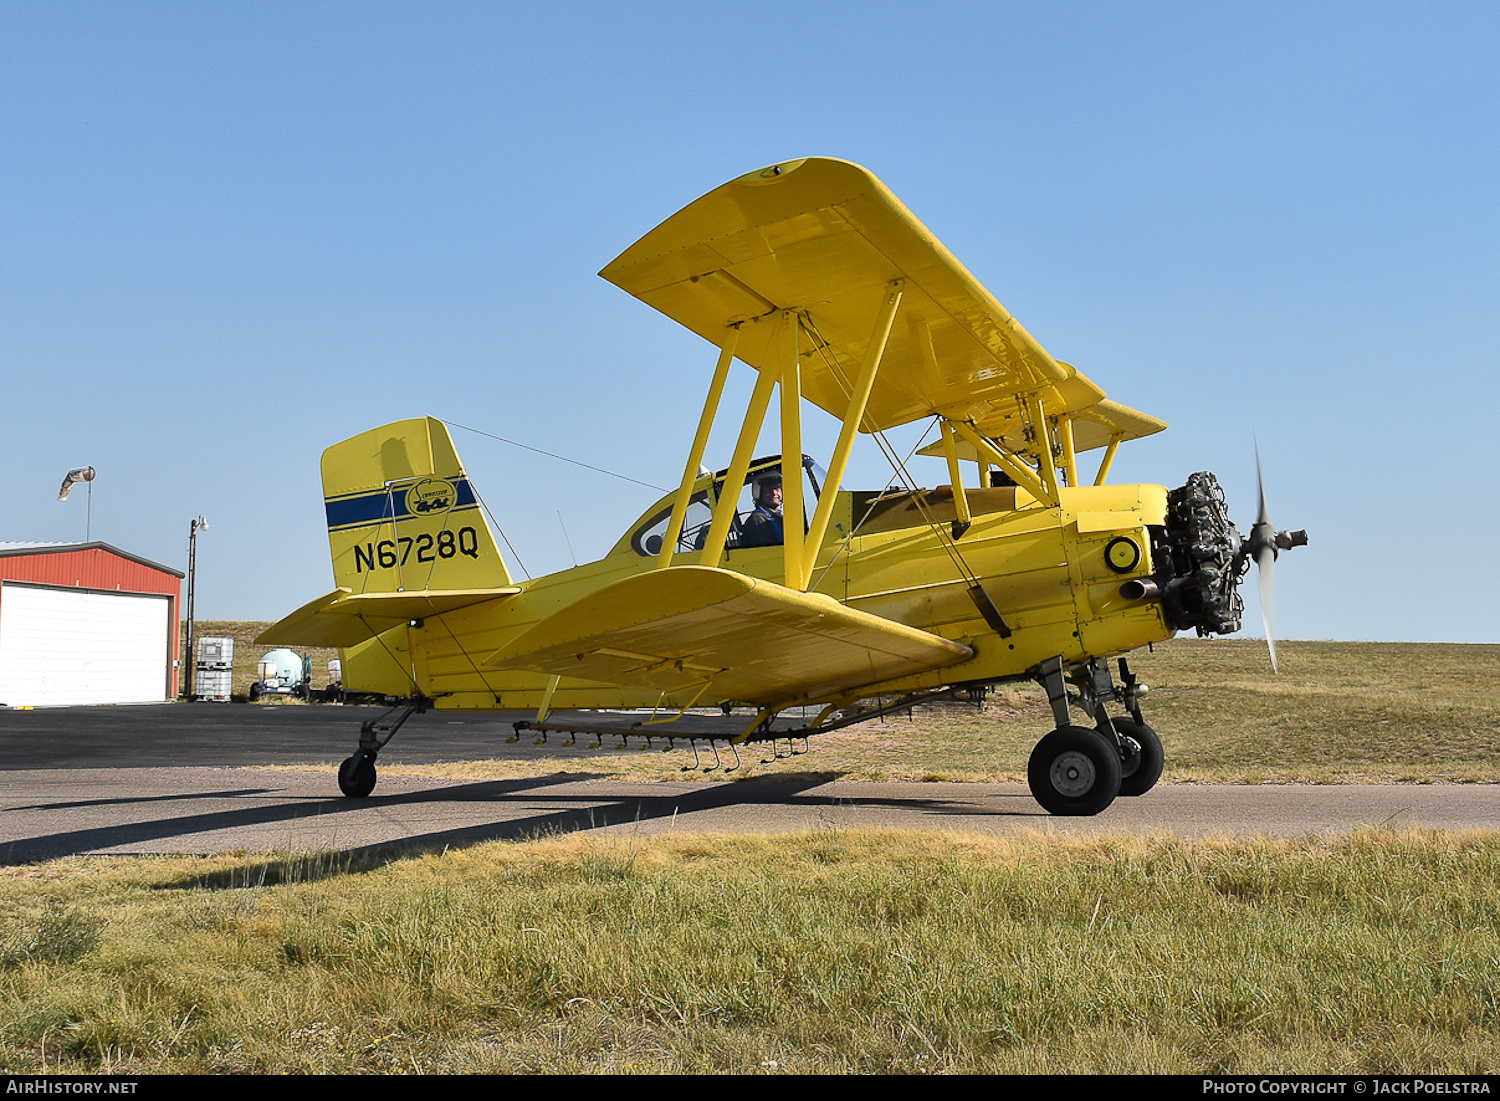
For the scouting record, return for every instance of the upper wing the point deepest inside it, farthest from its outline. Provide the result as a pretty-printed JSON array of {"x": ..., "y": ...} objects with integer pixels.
[
  {"x": 1097, "y": 425},
  {"x": 680, "y": 629},
  {"x": 1093, "y": 427},
  {"x": 826, "y": 238},
  {"x": 343, "y": 618}
]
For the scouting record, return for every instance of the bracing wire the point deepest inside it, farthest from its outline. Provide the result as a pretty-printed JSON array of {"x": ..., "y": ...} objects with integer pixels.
[
  {"x": 869, "y": 509},
  {"x": 462, "y": 649},
  {"x": 552, "y": 455},
  {"x": 897, "y": 465},
  {"x": 488, "y": 512},
  {"x": 378, "y": 636}
]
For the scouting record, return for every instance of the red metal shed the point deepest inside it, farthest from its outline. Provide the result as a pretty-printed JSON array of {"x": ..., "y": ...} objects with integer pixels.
[{"x": 86, "y": 623}]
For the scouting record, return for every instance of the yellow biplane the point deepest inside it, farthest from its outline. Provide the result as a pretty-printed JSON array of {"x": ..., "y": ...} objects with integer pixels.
[{"x": 843, "y": 604}]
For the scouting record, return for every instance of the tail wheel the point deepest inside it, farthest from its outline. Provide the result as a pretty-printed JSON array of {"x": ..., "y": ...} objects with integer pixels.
[
  {"x": 1141, "y": 757},
  {"x": 357, "y": 775},
  {"x": 1074, "y": 771}
]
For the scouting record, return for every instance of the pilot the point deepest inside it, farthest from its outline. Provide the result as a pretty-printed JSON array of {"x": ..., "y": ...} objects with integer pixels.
[{"x": 763, "y": 527}]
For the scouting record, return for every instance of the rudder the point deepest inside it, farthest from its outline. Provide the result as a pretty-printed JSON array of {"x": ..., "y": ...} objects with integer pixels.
[{"x": 402, "y": 516}]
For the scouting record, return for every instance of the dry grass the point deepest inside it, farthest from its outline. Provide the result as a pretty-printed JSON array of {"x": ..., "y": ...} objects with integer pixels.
[{"x": 833, "y": 952}]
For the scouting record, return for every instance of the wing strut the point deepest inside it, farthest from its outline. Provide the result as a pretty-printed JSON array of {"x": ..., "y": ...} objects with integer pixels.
[
  {"x": 791, "y": 455},
  {"x": 1109, "y": 458},
  {"x": 755, "y": 415},
  {"x": 799, "y": 550},
  {"x": 700, "y": 443},
  {"x": 1065, "y": 440},
  {"x": 1025, "y": 477},
  {"x": 858, "y": 399},
  {"x": 1042, "y": 442},
  {"x": 963, "y": 518}
]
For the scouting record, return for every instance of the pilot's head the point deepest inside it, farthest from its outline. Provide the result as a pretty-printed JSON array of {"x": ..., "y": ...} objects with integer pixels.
[{"x": 768, "y": 490}]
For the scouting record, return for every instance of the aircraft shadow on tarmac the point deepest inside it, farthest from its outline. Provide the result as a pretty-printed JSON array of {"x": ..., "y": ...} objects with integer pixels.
[
  {"x": 79, "y": 804},
  {"x": 589, "y": 814}
]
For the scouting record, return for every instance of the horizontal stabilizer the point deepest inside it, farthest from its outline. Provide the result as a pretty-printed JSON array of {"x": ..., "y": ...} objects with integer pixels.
[
  {"x": 752, "y": 641},
  {"x": 344, "y": 619}
]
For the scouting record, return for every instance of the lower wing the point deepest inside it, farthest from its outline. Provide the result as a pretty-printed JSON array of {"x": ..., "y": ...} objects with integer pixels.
[{"x": 732, "y": 637}]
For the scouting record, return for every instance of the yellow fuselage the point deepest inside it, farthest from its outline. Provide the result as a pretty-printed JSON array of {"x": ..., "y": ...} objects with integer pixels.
[{"x": 1046, "y": 570}]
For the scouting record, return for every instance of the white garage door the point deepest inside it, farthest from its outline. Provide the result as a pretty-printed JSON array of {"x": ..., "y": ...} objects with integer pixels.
[{"x": 71, "y": 646}]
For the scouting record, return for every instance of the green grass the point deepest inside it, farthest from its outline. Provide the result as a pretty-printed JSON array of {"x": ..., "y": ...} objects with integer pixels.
[{"x": 867, "y": 952}]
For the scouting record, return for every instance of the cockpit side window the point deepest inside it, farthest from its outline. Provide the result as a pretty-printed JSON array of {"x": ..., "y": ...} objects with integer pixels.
[{"x": 700, "y": 514}]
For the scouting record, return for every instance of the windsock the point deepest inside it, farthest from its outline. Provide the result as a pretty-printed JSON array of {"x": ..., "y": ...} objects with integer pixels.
[{"x": 77, "y": 474}]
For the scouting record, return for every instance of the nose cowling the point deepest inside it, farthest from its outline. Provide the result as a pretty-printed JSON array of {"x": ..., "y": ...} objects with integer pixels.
[
  {"x": 1202, "y": 559},
  {"x": 1208, "y": 559}
]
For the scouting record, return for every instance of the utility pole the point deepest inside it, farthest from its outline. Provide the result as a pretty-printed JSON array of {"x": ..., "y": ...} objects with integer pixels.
[{"x": 192, "y": 657}]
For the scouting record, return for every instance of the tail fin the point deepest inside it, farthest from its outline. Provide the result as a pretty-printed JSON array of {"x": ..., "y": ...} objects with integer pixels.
[{"x": 402, "y": 516}]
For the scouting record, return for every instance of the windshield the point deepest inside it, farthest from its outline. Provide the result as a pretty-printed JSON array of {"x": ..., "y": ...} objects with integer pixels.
[{"x": 753, "y": 496}]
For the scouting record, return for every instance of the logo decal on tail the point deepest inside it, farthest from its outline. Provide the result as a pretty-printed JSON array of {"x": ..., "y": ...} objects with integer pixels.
[{"x": 431, "y": 495}]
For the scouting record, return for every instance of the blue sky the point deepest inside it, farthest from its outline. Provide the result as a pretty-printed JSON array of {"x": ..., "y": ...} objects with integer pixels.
[{"x": 233, "y": 234}]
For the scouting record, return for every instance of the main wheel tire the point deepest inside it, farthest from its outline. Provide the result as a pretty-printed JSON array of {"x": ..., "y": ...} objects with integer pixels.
[
  {"x": 1074, "y": 771},
  {"x": 1141, "y": 757},
  {"x": 357, "y": 775}
]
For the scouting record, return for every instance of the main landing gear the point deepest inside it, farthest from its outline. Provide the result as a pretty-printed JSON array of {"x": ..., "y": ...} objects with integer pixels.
[
  {"x": 1077, "y": 770},
  {"x": 357, "y": 773}
]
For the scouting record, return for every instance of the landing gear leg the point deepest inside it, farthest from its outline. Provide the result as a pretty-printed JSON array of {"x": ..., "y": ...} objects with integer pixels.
[
  {"x": 357, "y": 773},
  {"x": 1063, "y": 773},
  {"x": 1073, "y": 770},
  {"x": 1141, "y": 755}
]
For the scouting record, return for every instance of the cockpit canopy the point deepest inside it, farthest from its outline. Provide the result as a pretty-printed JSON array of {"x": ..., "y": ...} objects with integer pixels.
[{"x": 646, "y": 535}]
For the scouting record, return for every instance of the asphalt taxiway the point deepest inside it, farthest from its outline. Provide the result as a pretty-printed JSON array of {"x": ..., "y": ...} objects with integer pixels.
[{"x": 207, "y": 779}]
